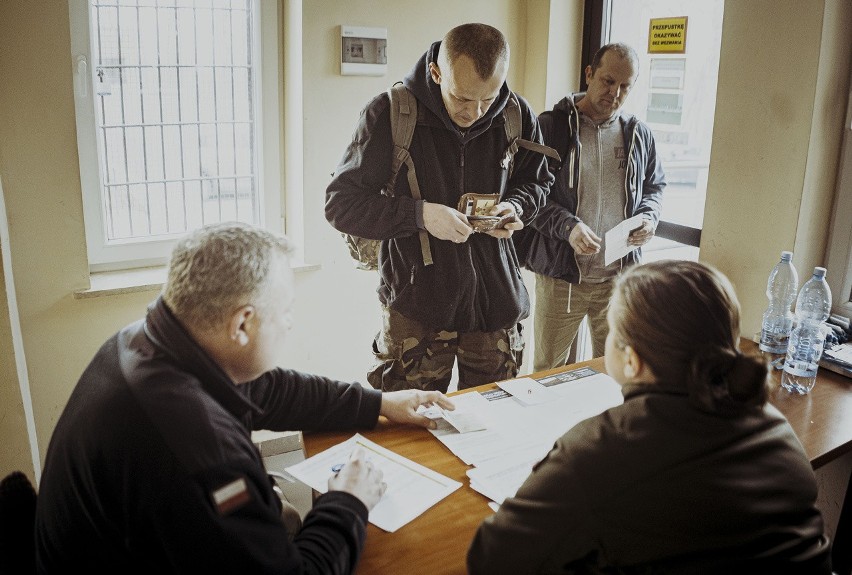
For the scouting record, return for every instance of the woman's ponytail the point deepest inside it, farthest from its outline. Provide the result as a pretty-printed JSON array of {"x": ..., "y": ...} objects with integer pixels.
[{"x": 723, "y": 380}]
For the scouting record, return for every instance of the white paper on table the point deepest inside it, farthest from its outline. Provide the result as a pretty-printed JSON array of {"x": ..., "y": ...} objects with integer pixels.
[
  {"x": 527, "y": 390},
  {"x": 615, "y": 240},
  {"x": 841, "y": 353},
  {"x": 466, "y": 416},
  {"x": 478, "y": 446},
  {"x": 412, "y": 488},
  {"x": 479, "y": 488},
  {"x": 517, "y": 428},
  {"x": 558, "y": 380},
  {"x": 502, "y": 478},
  {"x": 464, "y": 421},
  {"x": 591, "y": 393}
]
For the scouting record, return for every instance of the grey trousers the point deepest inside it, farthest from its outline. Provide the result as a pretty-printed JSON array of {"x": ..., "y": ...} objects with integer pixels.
[{"x": 559, "y": 309}]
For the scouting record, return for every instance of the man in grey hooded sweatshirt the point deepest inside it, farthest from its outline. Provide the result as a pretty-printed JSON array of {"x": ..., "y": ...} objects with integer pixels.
[{"x": 608, "y": 172}]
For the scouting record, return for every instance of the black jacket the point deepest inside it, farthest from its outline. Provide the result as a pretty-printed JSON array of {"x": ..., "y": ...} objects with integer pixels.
[
  {"x": 152, "y": 430},
  {"x": 657, "y": 485},
  {"x": 474, "y": 286},
  {"x": 543, "y": 246}
]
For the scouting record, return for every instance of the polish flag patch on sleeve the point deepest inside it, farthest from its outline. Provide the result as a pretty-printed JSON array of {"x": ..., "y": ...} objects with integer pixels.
[{"x": 231, "y": 496}]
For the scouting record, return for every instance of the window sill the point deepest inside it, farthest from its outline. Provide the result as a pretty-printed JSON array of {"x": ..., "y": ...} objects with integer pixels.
[{"x": 143, "y": 279}]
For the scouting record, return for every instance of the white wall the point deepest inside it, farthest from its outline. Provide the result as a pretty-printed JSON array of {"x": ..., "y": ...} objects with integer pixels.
[{"x": 780, "y": 104}]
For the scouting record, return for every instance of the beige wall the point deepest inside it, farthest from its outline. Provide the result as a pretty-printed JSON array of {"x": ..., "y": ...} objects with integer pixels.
[
  {"x": 14, "y": 449},
  {"x": 41, "y": 184},
  {"x": 780, "y": 104}
]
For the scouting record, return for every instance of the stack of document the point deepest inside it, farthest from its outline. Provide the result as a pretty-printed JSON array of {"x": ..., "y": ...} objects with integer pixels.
[
  {"x": 838, "y": 359},
  {"x": 501, "y": 478},
  {"x": 517, "y": 424}
]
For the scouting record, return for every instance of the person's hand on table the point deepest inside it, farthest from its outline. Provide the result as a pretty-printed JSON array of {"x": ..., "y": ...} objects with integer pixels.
[
  {"x": 360, "y": 478},
  {"x": 401, "y": 406}
]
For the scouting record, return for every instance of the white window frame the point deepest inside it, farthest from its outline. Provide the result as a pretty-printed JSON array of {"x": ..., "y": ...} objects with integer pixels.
[
  {"x": 145, "y": 253},
  {"x": 839, "y": 258}
]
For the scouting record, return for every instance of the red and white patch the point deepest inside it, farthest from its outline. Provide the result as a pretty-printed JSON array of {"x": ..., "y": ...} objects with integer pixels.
[{"x": 231, "y": 496}]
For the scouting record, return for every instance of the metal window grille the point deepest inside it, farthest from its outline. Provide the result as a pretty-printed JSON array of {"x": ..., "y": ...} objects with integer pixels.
[{"x": 175, "y": 115}]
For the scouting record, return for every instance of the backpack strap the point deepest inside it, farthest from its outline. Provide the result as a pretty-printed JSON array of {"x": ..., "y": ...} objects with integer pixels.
[
  {"x": 403, "y": 119},
  {"x": 513, "y": 124}
]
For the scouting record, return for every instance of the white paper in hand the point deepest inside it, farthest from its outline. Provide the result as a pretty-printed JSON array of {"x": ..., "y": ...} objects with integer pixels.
[{"x": 615, "y": 244}]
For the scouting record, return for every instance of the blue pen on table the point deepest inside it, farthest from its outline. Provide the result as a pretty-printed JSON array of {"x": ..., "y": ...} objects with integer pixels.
[{"x": 336, "y": 467}]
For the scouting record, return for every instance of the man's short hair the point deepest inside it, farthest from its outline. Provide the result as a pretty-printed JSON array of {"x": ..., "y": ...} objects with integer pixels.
[
  {"x": 483, "y": 44},
  {"x": 622, "y": 50},
  {"x": 218, "y": 268}
]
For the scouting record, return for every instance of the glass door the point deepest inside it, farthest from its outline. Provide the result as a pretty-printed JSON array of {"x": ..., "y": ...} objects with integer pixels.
[{"x": 678, "y": 43}]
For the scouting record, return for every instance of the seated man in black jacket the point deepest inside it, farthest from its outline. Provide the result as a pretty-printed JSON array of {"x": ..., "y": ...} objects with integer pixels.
[{"x": 151, "y": 468}]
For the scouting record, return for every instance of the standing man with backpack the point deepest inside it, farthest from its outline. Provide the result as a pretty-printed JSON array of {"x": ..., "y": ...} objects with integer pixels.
[
  {"x": 450, "y": 284},
  {"x": 609, "y": 171}
]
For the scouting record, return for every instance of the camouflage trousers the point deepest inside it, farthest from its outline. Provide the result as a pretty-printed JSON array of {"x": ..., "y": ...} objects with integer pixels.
[{"x": 410, "y": 355}]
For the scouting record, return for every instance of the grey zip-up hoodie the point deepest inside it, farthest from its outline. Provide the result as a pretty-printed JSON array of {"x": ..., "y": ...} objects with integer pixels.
[{"x": 543, "y": 245}]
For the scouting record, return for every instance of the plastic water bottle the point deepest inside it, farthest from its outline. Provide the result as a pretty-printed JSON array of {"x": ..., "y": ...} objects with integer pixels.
[
  {"x": 807, "y": 338},
  {"x": 778, "y": 318}
]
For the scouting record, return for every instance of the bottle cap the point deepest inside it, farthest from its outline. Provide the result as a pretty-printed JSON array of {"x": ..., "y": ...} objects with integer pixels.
[
  {"x": 819, "y": 273},
  {"x": 786, "y": 256}
]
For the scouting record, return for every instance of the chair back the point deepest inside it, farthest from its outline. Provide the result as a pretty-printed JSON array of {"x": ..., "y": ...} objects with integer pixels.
[{"x": 17, "y": 524}]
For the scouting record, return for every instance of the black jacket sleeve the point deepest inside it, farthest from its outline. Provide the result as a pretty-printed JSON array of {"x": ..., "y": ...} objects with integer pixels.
[
  {"x": 354, "y": 203},
  {"x": 292, "y": 400},
  {"x": 531, "y": 180}
]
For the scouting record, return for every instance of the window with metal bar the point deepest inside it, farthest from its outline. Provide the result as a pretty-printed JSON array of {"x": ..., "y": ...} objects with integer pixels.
[{"x": 174, "y": 101}]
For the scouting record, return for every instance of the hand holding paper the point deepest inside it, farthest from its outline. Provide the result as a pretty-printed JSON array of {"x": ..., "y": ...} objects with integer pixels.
[
  {"x": 405, "y": 406},
  {"x": 464, "y": 421},
  {"x": 617, "y": 244}
]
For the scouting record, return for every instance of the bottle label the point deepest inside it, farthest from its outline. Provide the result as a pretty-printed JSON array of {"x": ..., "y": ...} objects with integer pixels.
[
  {"x": 801, "y": 368},
  {"x": 804, "y": 352}
]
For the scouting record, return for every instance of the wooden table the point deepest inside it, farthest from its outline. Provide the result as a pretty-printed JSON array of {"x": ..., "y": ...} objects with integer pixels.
[{"x": 437, "y": 541}]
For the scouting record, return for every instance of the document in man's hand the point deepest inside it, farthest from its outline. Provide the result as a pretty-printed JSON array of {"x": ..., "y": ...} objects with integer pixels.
[
  {"x": 615, "y": 240},
  {"x": 412, "y": 488}
]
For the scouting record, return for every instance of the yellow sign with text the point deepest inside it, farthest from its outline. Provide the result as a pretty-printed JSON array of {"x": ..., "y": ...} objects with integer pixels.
[{"x": 667, "y": 36}]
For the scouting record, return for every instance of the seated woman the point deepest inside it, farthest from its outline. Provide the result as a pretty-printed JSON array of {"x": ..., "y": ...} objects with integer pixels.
[{"x": 694, "y": 473}]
